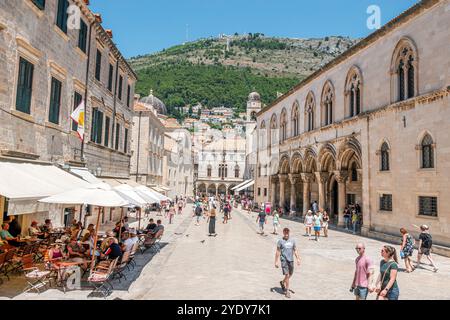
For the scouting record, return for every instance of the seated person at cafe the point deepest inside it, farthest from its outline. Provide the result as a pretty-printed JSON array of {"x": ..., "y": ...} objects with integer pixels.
[
  {"x": 129, "y": 239},
  {"x": 159, "y": 227},
  {"x": 47, "y": 227},
  {"x": 55, "y": 252},
  {"x": 15, "y": 229},
  {"x": 76, "y": 232},
  {"x": 6, "y": 236},
  {"x": 86, "y": 233},
  {"x": 113, "y": 251},
  {"x": 34, "y": 231},
  {"x": 76, "y": 251},
  {"x": 151, "y": 226},
  {"x": 119, "y": 229},
  {"x": 105, "y": 243},
  {"x": 125, "y": 223}
]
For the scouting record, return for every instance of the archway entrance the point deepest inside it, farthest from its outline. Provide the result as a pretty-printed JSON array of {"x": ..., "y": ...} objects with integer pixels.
[{"x": 212, "y": 190}]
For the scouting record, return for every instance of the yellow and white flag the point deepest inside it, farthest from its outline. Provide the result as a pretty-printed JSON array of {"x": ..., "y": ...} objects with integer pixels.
[{"x": 78, "y": 117}]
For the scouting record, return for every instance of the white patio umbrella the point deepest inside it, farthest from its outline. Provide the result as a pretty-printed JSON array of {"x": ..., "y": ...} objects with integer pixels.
[
  {"x": 100, "y": 195},
  {"x": 153, "y": 193},
  {"x": 135, "y": 198}
]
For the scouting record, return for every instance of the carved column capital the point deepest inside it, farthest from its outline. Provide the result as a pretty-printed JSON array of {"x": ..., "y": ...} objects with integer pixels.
[
  {"x": 341, "y": 176},
  {"x": 322, "y": 177},
  {"x": 283, "y": 177},
  {"x": 307, "y": 177},
  {"x": 294, "y": 178}
]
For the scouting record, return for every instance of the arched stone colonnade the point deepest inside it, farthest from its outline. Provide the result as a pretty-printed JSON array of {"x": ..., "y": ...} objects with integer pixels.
[{"x": 330, "y": 174}]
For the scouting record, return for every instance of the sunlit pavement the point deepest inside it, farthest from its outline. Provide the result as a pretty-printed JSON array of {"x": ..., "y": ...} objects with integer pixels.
[{"x": 238, "y": 264}]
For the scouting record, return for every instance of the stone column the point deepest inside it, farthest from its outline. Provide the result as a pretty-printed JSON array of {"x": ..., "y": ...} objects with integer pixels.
[
  {"x": 322, "y": 178},
  {"x": 293, "y": 178},
  {"x": 341, "y": 177},
  {"x": 282, "y": 178},
  {"x": 273, "y": 187},
  {"x": 307, "y": 179},
  {"x": 217, "y": 191}
]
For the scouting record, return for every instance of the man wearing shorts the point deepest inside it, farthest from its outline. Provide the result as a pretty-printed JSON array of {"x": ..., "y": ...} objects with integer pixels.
[
  {"x": 361, "y": 285},
  {"x": 262, "y": 220},
  {"x": 286, "y": 249}
]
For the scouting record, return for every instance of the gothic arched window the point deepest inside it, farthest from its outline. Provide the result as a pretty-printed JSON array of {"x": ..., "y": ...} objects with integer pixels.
[
  {"x": 427, "y": 152},
  {"x": 309, "y": 111},
  {"x": 385, "y": 157},
  {"x": 295, "y": 121},
  {"x": 236, "y": 171},
  {"x": 353, "y": 92},
  {"x": 283, "y": 125},
  {"x": 404, "y": 70},
  {"x": 327, "y": 104},
  {"x": 354, "y": 172}
]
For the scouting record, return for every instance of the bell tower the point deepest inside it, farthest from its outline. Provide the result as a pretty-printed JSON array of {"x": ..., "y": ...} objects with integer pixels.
[{"x": 253, "y": 106}]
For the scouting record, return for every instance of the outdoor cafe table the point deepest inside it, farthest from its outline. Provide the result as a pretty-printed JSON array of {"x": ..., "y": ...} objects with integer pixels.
[{"x": 62, "y": 266}]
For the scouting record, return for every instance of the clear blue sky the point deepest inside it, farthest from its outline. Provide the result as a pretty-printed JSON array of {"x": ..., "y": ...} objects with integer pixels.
[{"x": 146, "y": 26}]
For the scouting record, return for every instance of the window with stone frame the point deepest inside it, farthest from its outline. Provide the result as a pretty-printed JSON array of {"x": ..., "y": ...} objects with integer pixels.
[
  {"x": 259, "y": 191},
  {"x": 55, "y": 101},
  {"x": 309, "y": 110},
  {"x": 386, "y": 202},
  {"x": 119, "y": 94},
  {"x": 405, "y": 71},
  {"x": 82, "y": 36},
  {"x": 384, "y": 157},
  {"x": 265, "y": 192},
  {"x": 427, "y": 152},
  {"x": 327, "y": 104},
  {"x": 283, "y": 125},
  {"x": 354, "y": 92},
  {"x": 98, "y": 65},
  {"x": 236, "y": 171},
  {"x": 24, "y": 86},
  {"x": 117, "y": 137},
  {"x": 97, "y": 126},
  {"x": 428, "y": 206},
  {"x": 110, "y": 77},
  {"x": 62, "y": 15},
  {"x": 295, "y": 120}
]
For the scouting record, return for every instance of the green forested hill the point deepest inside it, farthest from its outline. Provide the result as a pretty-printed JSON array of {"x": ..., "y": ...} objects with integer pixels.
[{"x": 224, "y": 70}]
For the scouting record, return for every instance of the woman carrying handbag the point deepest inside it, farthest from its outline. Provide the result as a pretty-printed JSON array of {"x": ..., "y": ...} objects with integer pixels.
[{"x": 387, "y": 287}]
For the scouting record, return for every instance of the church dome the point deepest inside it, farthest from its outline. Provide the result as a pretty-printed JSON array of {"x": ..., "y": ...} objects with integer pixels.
[
  {"x": 254, "y": 96},
  {"x": 156, "y": 103}
]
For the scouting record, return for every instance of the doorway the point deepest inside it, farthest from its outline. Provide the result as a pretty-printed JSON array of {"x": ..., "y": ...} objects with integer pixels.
[{"x": 334, "y": 202}]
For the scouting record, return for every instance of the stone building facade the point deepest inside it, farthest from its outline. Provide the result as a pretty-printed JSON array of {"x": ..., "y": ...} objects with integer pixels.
[
  {"x": 48, "y": 65},
  {"x": 221, "y": 165},
  {"x": 370, "y": 127},
  {"x": 147, "y": 145}
]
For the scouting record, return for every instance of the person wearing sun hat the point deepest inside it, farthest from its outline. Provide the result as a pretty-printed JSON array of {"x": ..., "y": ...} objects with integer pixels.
[{"x": 425, "y": 245}]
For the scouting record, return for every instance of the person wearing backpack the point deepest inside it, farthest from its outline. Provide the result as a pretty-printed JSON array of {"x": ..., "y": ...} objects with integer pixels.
[
  {"x": 425, "y": 244},
  {"x": 387, "y": 287},
  {"x": 198, "y": 213}
]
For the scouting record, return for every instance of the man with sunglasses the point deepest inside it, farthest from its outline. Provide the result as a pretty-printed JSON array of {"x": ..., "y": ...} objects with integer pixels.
[{"x": 362, "y": 281}]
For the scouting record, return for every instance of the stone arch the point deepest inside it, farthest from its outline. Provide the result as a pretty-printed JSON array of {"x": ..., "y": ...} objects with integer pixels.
[
  {"x": 284, "y": 165},
  {"x": 310, "y": 160},
  {"x": 327, "y": 103},
  {"x": 212, "y": 188},
  {"x": 222, "y": 189},
  {"x": 297, "y": 163},
  {"x": 326, "y": 157},
  {"x": 351, "y": 148},
  {"x": 405, "y": 55},
  {"x": 201, "y": 188},
  {"x": 273, "y": 132}
]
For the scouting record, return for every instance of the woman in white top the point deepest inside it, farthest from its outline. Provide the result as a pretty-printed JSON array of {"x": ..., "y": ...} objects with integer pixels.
[{"x": 309, "y": 221}]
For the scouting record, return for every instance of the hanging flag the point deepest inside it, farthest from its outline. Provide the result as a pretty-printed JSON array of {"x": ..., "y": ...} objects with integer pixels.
[{"x": 78, "y": 117}]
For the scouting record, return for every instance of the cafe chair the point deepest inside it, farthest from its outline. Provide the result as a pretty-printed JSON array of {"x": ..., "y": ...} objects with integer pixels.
[
  {"x": 100, "y": 278},
  {"x": 36, "y": 278}
]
